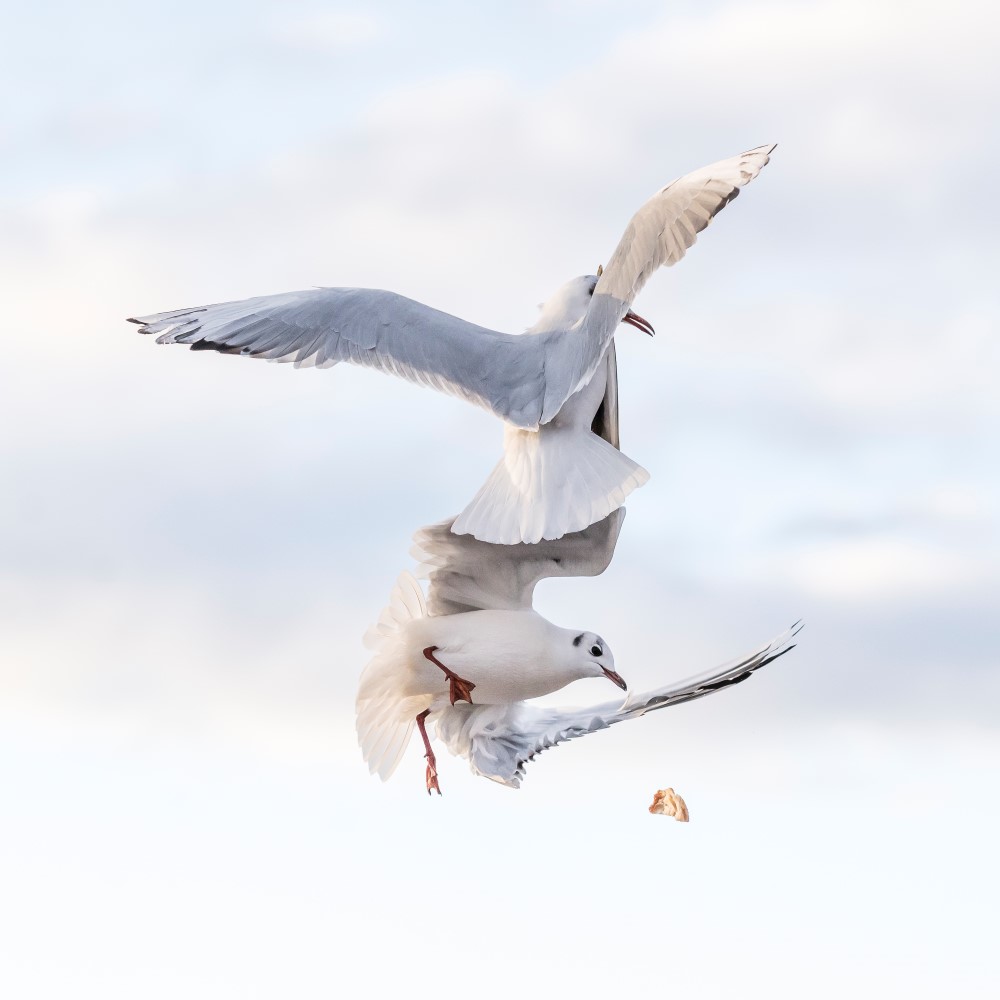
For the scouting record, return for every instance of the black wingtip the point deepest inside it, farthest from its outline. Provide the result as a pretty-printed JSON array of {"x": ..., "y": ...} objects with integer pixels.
[
  {"x": 774, "y": 656},
  {"x": 211, "y": 345}
]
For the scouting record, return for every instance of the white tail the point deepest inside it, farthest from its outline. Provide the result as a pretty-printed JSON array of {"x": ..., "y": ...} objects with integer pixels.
[
  {"x": 385, "y": 719},
  {"x": 549, "y": 482}
]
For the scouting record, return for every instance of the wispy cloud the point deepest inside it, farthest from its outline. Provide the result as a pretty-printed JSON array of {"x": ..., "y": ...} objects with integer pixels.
[{"x": 329, "y": 31}]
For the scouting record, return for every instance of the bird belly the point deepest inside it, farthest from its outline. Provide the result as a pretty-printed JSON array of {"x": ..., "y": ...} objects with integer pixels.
[
  {"x": 512, "y": 682},
  {"x": 580, "y": 409},
  {"x": 501, "y": 652}
]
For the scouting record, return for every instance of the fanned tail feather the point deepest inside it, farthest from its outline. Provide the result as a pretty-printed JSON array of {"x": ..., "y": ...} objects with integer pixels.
[
  {"x": 384, "y": 719},
  {"x": 549, "y": 483}
]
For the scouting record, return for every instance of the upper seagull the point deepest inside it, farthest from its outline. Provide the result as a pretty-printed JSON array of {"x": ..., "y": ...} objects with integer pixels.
[{"x": 548, "y": 385}]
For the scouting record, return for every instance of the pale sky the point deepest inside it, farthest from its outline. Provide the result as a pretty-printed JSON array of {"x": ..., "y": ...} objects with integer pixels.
[{"x": 192, "y": 546}]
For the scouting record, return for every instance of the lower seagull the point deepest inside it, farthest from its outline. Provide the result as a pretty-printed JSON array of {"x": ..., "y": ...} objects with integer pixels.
[
  {"x": 476, "y": 638},
  {"x": 469, "y": 656}
]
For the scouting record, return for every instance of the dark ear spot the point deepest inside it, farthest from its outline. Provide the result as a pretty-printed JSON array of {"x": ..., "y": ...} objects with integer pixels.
[{"x": 578, "y": 639}]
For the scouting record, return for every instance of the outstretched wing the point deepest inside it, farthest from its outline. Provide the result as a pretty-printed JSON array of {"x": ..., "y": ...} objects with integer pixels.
[
  {"x": 391, "y": 333},
  {"x": 499, "y": 740},
  {"x": 466, "y": 574},
  {"x": 523, "y": 379},
  {"x": 658, "y": 235}
]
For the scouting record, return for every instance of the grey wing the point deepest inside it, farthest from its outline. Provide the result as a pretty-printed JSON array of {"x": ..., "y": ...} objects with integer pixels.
[
  {"x": 658, "y": 235},
  {"x": 500, "y": 740},
  {"x": 466, "y": 574},
  {"x": 605, "y": 422},
  {"x": 377, "y": 329}
]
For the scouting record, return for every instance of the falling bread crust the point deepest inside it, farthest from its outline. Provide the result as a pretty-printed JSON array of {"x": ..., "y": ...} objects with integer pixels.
[{"x": 666, "y": 802}]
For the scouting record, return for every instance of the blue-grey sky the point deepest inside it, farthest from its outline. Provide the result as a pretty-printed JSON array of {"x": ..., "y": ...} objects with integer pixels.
[{"x": 191, "y": 547}]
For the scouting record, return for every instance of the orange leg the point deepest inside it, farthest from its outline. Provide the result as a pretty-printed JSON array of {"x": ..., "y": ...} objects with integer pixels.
[
  {"x": 459, "y": 687},
  {"x": 432, "y": 775}
]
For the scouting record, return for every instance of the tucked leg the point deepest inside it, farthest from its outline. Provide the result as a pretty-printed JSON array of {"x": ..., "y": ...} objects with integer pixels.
[
  {"x": 460, "y": 689},
  {"x": 432, "y": 775}
]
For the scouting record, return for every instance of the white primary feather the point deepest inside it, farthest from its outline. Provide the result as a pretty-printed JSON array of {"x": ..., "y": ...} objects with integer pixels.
[{"x": 525, "y": 380}]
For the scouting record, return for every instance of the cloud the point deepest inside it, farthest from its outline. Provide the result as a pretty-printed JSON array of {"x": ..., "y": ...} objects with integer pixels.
[
  {"x": 327, "y": 31},
  {"x": 824, "y": 356},
  {"x": 881, "y": 569},
  {"x": 191, "y": 547}
]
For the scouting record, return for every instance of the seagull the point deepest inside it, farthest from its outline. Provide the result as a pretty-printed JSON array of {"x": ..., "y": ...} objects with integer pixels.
[
  {"x": 476, "y": 638},
  {"x": 479, "y": 602},
  {"x": 548, "y": 385}
]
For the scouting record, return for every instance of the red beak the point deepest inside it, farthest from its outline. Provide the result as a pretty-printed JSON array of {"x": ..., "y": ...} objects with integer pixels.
[
  {"x": 634, "y": 319},
  {"x": 616, "y": 677}
]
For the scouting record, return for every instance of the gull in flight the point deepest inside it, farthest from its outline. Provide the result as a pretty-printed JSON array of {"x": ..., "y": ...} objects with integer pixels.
[
  {"x": 476, "y": 638},
  {"x": 477, "y": 622},
  {"x": 548, "y": 385}
]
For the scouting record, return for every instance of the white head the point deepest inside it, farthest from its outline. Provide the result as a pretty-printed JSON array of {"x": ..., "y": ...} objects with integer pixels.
[
  {"x": 565, "y": 309},
  {"x": 591, "y": 657},
  {"x": 567, "y": 306}
]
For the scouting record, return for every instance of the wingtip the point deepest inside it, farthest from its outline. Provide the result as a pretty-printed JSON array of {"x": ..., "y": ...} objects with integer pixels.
[{"x": 770, "y": 659}]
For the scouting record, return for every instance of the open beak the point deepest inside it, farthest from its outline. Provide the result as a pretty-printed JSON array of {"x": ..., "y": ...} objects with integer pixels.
[
  {"x": 616, "y": 677},
  {"x": 634, "y": 319}
]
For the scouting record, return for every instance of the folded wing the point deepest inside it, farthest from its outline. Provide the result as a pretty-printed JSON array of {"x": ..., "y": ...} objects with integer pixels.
[{"x": 466, "y": 574}]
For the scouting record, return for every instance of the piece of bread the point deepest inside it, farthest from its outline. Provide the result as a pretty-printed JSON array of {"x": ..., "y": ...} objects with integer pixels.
[{"x": 666, "y": 802}]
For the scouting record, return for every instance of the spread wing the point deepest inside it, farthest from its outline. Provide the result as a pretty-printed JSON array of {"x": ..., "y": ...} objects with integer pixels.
[
  {"x": 522, "y": 379},
  {"x": 658, "y": 235},
  {"x": 466, "y": 574},
  {"x": 320, "y": 327},
  {"x": 499, "y": 740}
]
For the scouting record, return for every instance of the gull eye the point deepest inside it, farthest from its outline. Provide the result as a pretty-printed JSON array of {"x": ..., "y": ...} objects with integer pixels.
[{"x": 596, "y": 651}]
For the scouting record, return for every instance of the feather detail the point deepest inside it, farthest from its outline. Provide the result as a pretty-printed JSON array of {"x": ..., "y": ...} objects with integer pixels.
[
  {"x": 549, "y": 483},
  {"x": 385, "y": 718}
]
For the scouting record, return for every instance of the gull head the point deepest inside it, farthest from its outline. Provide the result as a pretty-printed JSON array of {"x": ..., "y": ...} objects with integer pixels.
[
  {"x": 566, "y": 307},
  {"x": 594, "y": 659}
]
